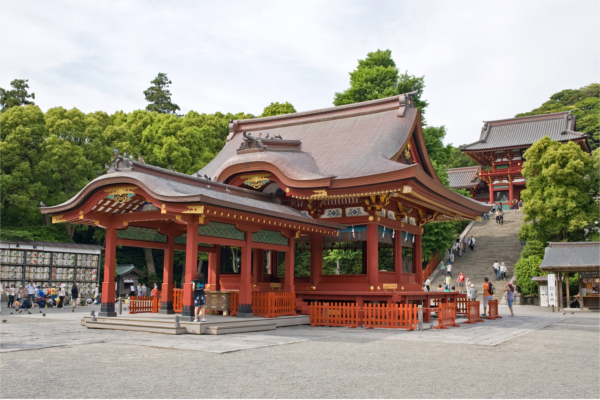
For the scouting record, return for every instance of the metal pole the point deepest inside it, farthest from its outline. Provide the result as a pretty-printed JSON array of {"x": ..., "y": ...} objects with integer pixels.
[
  {"x": 420, "y": 313},
  {"x": 120, "y": 306}
]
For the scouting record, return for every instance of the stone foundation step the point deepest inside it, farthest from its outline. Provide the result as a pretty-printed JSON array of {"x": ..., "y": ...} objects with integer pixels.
[
  {"x": 241, "y": 327},
  {"x": 169, "y": 330}
]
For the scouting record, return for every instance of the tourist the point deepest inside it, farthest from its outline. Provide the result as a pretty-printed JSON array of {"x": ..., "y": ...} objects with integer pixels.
[
  {"x": 501, "y": 217},
  {"x": 132, "y": 290},
  {"x": 453, "y": 289},
  {"x": 488, "y": 294},
  {"x": 472, "y": 292},
  {"x": 472, "y": 243},
  {"x": 510, "y": 297},
  {"x": 11, "y": 295},
  {"x": 440, "y": 288},
  {"x": 143, "y": 289},
  {"x": 427, "y": 284},
  {"x": 502, "y": 271},
  {"x": 154, "y": 291},
  {"x": 460, "y": 247},
  {"x": 443, "y": 269},
  {"x": 30, "y": 292},
  {"x": 466, "y": 242},
  {"x": 139, "y": 289},
  {"x": 449, "y": 270},
  {"x": 199, "y": 299},
  {"x": 61, "y": 296},
  {"x": 520, "y": 204},
  {"x": 447, "y": 289},
  {"x": 451, "y": 255},
  {"x": 467, "y": 284},
  {"x": 448, "y": 281},
  {"x": 1, "y": 293},
  {"x": 20, "y": 293},
  {"x": 74, "y": 295},
  {"x": 461, "y": 280},
  {"x": 496, "y": 268}
]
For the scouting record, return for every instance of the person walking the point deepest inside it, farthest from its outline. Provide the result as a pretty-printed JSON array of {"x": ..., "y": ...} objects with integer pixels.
[
  {"x": 501, "y": 217},
  {"x": 443, "y": 269},
  {"x": 154, "y": 291},
  {"x": 467, "y": 284},
  {"x": 472, "y": 243},
  {"x": 74, "y": 295},
  {"x": 427, "y": 285},
  {"x": 466, "y": 242},
  {"x": 488, "y": 294},
  {"x": 520, "y": 204},
  {"x": 496, "y": 268},
  {"x": 502, "y": 271},
  {"x": 199, "y": 298},
  {"x": 451, "y": 255},
  {"x": 448, "y": 281},
  {"x": 11, "y": 296},
  {"x": 61, "y": 296},
  {"x": 515, "y": 205},
  {"x": 461, "y": 280},
  {"x": 449, "y": 270},
  {"x": 510, "y": 297},
  {"x": 472, "y": 292},
  {"x": 460, "y": 247}
]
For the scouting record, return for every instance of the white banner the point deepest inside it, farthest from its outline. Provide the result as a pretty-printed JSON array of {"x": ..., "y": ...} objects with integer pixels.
[{"x": 551, "y": 290}]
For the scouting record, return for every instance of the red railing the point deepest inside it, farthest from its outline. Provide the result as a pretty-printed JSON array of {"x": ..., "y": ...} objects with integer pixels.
[
  {"x": 403, "y": 316},
  {"x": 460, "y": 302},
  {"x": 473, "y": 313},
  {"x": 334, "y": 314},
  {"x": 140, "y": 304},
  {"x": 431, "y": 266},
  {"x": 273, "y": 304},
  {"x": 493, "y": 311},
  {"x": 500, "y": 171},
  {"x": 177, "y": 300},
  {"x": 446, "y": 315}
]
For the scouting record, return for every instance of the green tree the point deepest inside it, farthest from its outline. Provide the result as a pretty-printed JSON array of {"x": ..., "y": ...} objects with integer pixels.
[
  {"x": 159, "y": 96},
  {"x": 585, "y": 106},
  {"x": 377, "y": 77},
  {"x": 525, "y": 269},
  {"x": 557, "y": 200},
  {"x": 278, "y": 109},
  {"x": 18, "y": 96}
]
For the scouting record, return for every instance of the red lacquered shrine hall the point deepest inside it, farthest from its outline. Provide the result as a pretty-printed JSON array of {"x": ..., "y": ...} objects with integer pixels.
[{"x": 283, "y": 192}]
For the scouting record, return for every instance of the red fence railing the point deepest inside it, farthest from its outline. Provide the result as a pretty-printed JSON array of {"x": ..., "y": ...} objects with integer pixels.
[
  {"x": 431, "y": 266},
  {"x": 273, "y": 304},
  {"x": 140, "y": 304},
  {"x": 334, "y": 314},
  {"x": 402, "y": 316},
  {"x": 446, "y": 315}
]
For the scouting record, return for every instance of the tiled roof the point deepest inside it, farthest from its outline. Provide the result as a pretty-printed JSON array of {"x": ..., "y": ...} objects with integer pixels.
[
  {"x": 124, "y": 269},
  {"x": 463, "y": 178},
  {"x": 176, "y": 187},
  {"x": 525, "y": 131},
  {"x": 572, "y": 256},
  {"x": 341, "y": 142},
  {"x": 65, "y": 246}
]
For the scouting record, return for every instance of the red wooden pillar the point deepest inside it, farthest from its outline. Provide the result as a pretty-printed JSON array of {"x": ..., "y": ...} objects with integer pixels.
[
  {"x": 288, "y": 285},
  {"x": 191, "y": 268},
  {"x": 510, "y": 190},
  {"x": 373, "y": 254},
  {"x": 166, "y": 306},
  {"x": 398, "y": 257},
  {"x": 316, "y": 259},
  {"x": 258, "y": 265},
  {"x": 245, "y": 308},
  {"x": 214, "y": 269},
  {"x": 418, "y": 259},
  {"x": 491, "y": 194},
  {"x": 107, "y": 309}
]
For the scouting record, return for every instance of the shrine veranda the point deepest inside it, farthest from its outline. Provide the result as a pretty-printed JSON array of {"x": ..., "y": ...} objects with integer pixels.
[{"x": 357, "y": 174}]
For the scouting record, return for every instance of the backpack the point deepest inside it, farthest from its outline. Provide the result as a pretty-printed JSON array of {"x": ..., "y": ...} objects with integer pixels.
[{"x": 491, "y": 289}]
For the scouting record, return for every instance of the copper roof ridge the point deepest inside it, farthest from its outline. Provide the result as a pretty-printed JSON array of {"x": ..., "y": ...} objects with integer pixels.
[
  {"x": 461, "y": 169},
  {"x": 558, "y": 244},
  {"x": 189, "y": 180},
  {"x": 527, "y": 118},
  {"x": 582, "y": 134},
  {"x": 318, "y": 115}
]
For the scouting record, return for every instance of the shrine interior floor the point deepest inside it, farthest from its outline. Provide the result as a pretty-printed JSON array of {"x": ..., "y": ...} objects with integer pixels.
[{"x": 535, "y": 354}]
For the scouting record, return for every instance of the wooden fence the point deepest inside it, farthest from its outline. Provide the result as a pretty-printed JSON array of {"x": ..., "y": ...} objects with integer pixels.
[
  {"x": 177, "y": 300},
  {"x": 461, "y": 304},
  {"x": 270, "y": 304},
  {"x": 403, "y": 316},
  {"x": 431, "y": 266},
  {"x": 493, "y": 310},
  {"x": 140, "y": 304},
  {"x": 446, "y": 315},
  {"x": 334, "y": 314}
]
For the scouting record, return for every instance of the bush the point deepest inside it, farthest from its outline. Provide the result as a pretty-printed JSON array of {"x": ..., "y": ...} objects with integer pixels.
[{"x": 525, "y": 269}]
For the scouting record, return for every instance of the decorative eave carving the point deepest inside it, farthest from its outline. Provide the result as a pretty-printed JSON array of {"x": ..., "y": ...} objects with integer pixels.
[
  {"x": 276, "y": 143},
  {"x": 120, "y": 164}
]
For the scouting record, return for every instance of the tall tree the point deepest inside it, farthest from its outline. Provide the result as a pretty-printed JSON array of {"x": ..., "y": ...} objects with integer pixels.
[
  {"x": 159, "y": 96},
  {"x": 377, "y": 77},
  {"x": 585, "y": 105},
  {"x": 18, "y": 96},
  {"x": 558, "y": 202},
  {"x": 278, "y": 109}
]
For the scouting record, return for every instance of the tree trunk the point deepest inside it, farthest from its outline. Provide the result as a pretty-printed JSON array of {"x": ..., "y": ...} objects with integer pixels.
[
  {"x": 149, "y": 261},
  {"x": 70, "y": 228}
]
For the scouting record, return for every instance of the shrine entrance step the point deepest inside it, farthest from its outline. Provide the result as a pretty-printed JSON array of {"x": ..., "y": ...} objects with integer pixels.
[{"x": 217, "y": 325}]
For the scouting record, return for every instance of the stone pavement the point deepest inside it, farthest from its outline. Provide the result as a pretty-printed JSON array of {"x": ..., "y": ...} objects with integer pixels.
[{"x": 537, "y": 354}]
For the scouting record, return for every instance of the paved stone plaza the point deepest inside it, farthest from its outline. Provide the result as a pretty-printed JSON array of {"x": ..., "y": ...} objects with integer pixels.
[{"x": 537, "y": 354}]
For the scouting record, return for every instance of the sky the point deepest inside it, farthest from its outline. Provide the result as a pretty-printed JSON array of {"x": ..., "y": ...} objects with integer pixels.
[{"x": 482, "y": 60}]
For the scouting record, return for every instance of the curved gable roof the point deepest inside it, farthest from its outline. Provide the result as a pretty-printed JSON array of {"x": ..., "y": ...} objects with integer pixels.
[{"x": 351, "y": 141}]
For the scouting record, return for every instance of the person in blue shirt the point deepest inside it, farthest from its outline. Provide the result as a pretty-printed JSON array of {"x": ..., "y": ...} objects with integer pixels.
[{"x": 199, "y": 298}]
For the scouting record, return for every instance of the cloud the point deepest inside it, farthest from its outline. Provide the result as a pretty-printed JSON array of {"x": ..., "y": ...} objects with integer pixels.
[{"x": 481, "y": 60}]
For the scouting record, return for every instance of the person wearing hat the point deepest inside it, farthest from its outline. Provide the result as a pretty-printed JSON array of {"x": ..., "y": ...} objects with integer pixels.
[
  {"x": 472, "y": 292},
  {"x": 510, "y": 296}
]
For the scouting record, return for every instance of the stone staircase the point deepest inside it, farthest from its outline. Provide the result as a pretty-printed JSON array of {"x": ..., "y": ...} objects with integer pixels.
[{"x": 492, "y": 242}]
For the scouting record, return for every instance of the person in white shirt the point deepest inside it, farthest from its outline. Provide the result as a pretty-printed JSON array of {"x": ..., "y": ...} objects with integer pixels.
[
  {"x": 449, "y": 270},
  {"x": 496, "y": 267},
  {"x": 502, "y": 271},
  {"x": 472, "y": 293},
  {"x": 30, "y": 292}
]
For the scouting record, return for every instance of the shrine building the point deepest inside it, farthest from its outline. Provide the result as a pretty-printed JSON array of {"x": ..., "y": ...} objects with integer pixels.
[
  {"x": 499, "y": 153},
  {"x": 281, "y": 194}
]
